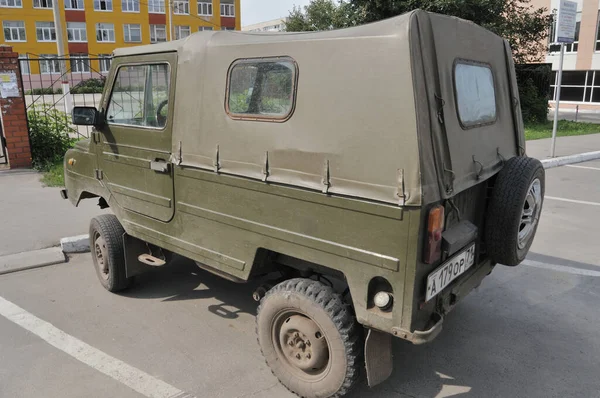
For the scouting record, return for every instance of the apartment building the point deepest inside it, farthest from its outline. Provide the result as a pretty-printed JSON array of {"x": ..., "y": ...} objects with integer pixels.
[
  {"x": 94, "y": 28},
  {"x": 581, "y": 67},
  {"x": 275, "y": 25}
]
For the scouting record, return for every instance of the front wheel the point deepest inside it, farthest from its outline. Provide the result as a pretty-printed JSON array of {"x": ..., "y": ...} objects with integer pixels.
[
  {"x": 309, "y": 338},
  {"x": 108, "y": 255}
]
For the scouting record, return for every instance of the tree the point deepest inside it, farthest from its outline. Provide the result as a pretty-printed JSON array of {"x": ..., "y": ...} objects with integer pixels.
[
  {"x": 321, "y": 15},
  {"x": 523, "y": 25}
]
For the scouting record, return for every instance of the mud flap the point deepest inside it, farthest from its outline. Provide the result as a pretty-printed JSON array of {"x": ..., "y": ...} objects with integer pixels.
[{"x": 378, "y": 357}]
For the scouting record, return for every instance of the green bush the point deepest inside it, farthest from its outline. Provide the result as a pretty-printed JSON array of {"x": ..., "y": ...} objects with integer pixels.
[
  {"x": 44, "y": 91},
  {"x": 49, "y": 136},
  {"x": 534, "y": 105},
  {"x": 89, "y": 86}
]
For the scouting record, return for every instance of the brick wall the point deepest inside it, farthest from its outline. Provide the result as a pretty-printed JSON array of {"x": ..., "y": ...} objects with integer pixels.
[{"x": 14, "y": 115}]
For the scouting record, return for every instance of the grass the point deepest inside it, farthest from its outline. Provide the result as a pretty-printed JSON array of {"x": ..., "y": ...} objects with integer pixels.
[
  {"x": 55, "y": 176},
  {"x": 535, "y": 131}
]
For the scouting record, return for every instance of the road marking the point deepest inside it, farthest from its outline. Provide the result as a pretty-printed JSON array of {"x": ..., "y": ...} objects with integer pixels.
[
  {"x": 581, "y": 202},
  {"x": 561, "y": 268},
  {"x": 583, "y": 167},
  {"x": 132, "y": 377}
]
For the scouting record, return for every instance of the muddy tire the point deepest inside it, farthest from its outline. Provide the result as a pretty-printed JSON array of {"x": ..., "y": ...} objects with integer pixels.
[
  {"x": 514, "y": 211},
  {"x": 309, "y": 338},
  {"x": 106, "y": 245}
]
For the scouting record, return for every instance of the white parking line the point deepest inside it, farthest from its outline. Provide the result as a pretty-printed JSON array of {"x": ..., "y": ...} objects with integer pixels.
[
  {"x": 581, "y": 202},
  {"x": 132, "y": 377},
  {"x": 561, "y": 268},
  {"x": 583, "y": 167}
]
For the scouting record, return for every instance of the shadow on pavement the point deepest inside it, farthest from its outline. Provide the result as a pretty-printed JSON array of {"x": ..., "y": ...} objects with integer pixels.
[
  {"x": 494, "y": 344},
  {"x": 182, "y": 279}
]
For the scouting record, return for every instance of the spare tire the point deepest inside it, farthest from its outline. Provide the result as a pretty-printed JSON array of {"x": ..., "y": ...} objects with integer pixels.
[{"x": 514, "y": 210}]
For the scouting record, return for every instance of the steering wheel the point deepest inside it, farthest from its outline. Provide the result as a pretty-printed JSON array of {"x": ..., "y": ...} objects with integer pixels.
[{"x": 160, "y": 119}]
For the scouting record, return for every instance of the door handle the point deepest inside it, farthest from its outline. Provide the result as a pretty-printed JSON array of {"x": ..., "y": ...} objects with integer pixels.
[{"x": 159, "y": 165}]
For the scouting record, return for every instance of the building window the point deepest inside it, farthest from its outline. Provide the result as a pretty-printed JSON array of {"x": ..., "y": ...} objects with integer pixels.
[
  {"x": 227, "y": 10},
  {"x": 133, "y": 33},
  {"x": 14, "y": 30},
  {"x": 262, "y": 89},
  {"x": 45, "y": 31},
  {"x": 181, "y": 7},
  {"x": 227, "y": 28},
  {"x": 205, "y": 9},
  {"x": 24, "y": 63},
  {"x": 80, "y": 63},
  {"x": 158, "y": 33},
  {"x": 181, "y": 32},
  {"x": 475, "y": 94},
  {"x": 130, "y": 5},
  {"x": 49, "y": 63},
  {"x": 577, "y": 86},
  {"x": 11, "y": 3},
  {"x": 569, "y": 48},
  {"x": 76, "y": 32},
  {"x": 203, "y": 28},
  {"x": 74, "y": 4},
  {"x": 105, "y": 32},
  {"x": 42, "y": 3},
  {"x": 103, "y": 5},
  {"x": 140, "y": 96},
  {"x": 597, "y": 48},
  {"x": 156, "y": 6},
  {"x": 104, "y": 60}
]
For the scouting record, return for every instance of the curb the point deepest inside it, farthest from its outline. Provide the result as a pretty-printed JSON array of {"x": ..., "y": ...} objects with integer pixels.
[
  {"x": 33, "y": 259},
  {"x": 570, "y": 159},
  {"x": 75, "y": 244}
]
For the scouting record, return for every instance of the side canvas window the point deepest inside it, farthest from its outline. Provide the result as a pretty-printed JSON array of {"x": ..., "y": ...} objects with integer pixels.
[
  {"x": 262, "y": 89},
  {"x": 475, "y": 93},
  {"x": 140, "y": 96}
]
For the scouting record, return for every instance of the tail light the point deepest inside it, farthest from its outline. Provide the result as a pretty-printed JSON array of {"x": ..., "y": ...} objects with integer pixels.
[{"x": 435, "y": 227}]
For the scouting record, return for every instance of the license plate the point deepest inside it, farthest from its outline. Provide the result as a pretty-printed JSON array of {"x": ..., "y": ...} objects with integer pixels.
[{"x": 449, "y": 271}]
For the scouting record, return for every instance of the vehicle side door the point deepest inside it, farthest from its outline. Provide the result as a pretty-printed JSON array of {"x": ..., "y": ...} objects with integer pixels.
[{"x": 134, "y": 145}]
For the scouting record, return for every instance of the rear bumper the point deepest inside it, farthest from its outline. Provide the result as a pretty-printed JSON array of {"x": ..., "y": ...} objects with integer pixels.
[{"x": 445, "y": 302}]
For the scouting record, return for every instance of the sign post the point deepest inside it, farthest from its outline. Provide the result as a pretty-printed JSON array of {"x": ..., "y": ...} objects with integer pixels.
[{"x": 566, "y": 21}]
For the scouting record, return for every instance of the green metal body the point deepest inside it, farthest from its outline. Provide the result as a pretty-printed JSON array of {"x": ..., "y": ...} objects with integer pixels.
[{"x": 225, "y": 221}]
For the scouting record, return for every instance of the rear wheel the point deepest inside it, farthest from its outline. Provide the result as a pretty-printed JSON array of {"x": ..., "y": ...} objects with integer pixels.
[
  {"x": 108, "y": 255},
  {"x": 514, "y": 210},
  {"x": 309, "y": 338}
]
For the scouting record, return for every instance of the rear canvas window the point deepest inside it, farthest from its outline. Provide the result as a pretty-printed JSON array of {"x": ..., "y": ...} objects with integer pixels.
[
  {"x": 262, "y": 89},
  {"x": 475, "y": 94}
]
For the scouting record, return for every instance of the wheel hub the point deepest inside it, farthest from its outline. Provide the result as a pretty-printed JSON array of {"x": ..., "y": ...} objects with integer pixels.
[
  {"x": 530, "y": 213},
  {"x": 303, "y": 344},
  {"x": 100, "y": 252}
]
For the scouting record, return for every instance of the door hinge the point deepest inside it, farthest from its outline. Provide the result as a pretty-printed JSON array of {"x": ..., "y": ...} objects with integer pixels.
[
  {"x": 96, "y": 137},
  {"x": 99, "y": 174}
]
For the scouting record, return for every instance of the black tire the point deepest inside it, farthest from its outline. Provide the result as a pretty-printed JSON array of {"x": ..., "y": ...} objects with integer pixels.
[
  {"x": 511, "y": 199},
  {"x": 108, "y": 255},
  {"x": 314, "y": 304}
]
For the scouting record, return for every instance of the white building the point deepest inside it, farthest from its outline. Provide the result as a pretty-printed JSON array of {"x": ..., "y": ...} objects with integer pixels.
[{"x": 275, "y": 25}]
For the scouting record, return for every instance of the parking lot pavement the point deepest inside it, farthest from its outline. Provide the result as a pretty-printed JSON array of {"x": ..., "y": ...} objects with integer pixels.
[
  {"x": 35, "y": 217},
  {"x": 529, "y": 331}
]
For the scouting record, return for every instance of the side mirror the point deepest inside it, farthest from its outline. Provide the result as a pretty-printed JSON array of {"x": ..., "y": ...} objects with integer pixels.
[{"x": 86, "y": 116}]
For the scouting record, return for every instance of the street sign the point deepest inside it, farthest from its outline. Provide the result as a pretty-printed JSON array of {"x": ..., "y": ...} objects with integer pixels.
[{"x": 566, "y": 21}]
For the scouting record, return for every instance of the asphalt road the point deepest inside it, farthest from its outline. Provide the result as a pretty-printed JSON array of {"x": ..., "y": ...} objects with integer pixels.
[{"x": 529, "y": 331}]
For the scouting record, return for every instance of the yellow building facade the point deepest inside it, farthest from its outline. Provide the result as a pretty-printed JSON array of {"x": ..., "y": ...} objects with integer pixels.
[{"x": 94, "y": 28}]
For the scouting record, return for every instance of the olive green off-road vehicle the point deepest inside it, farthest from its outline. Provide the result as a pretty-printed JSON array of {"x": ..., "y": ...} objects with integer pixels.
[{"x": 371, "y": 176}]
